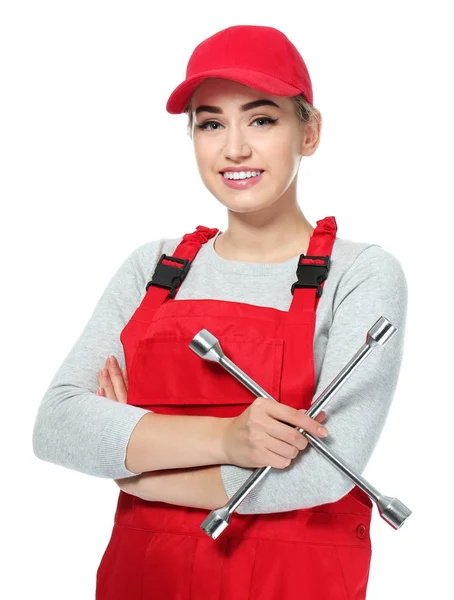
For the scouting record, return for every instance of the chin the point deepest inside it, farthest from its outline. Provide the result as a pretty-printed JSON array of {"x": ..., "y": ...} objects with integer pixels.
[
  {"x": 244, "y": 201},
  {"x": 247, "y": 205}
]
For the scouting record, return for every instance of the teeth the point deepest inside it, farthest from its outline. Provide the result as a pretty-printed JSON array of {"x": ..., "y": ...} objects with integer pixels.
[{"x": 240, "y": 174}]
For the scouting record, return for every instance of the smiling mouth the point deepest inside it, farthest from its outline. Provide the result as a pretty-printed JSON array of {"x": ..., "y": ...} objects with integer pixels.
[
  {"x": 242, "y": 183},
  {"x": 240, "y": 175}
]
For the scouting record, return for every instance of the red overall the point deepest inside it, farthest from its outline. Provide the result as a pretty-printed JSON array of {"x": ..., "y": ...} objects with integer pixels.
[{"x": 158, "y": 551}]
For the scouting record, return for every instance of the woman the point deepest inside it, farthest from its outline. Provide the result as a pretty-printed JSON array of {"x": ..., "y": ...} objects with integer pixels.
[{"x": 183, "y": 435}]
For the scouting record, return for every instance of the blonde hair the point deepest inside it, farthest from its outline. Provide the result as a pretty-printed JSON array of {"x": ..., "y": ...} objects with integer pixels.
[{"x": 303, "y": 109}]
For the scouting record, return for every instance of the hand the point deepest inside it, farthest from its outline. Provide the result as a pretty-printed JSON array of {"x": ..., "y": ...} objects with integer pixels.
[
  {"x": 113, "y": 383},
  {"x": 260, "y": 436}
]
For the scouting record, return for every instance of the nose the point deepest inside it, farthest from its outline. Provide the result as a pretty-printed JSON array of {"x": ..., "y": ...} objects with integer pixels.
[{"x": 236, "y": 146}]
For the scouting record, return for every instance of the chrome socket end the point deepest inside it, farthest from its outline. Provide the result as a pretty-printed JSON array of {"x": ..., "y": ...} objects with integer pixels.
[
  {"x": 381, "y": 332},
  {"x": 393, "y": 511},
  {"x": 216, "y": 522},
  {"x": 207, "y": 346}
]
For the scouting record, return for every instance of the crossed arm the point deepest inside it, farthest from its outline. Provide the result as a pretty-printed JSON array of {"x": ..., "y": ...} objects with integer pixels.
[
  {"x": 198, "y": 487},
  {"x": 188, "y": 472},
  {"x": 359, "y": 410},
  {"x": 76, "y": 429}
]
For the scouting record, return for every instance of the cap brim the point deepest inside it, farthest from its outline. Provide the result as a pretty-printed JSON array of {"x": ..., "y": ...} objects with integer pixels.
[{"x": 179, "y": 98}]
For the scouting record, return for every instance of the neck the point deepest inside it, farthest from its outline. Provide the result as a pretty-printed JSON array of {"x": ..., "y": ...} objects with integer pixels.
[{"x": 259, "y": 237}]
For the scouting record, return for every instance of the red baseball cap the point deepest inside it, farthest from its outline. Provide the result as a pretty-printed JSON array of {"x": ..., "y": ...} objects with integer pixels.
[{"x": 254, "y": 55}]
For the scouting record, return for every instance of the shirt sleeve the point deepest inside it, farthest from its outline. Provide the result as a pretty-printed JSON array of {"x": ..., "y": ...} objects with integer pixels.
[
  {"x": 374, "y": 285},
  {"x": 74, "y": 427}
]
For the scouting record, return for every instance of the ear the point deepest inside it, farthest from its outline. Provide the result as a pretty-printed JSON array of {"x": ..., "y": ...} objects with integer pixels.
[{"x": 311, "y": 134}]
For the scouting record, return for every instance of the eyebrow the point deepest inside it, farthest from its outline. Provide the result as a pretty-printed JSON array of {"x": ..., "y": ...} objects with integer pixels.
[{"x": 244, "y": 107}]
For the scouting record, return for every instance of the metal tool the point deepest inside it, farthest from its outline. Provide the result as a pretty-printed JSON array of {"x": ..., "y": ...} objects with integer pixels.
[{"x": 207, "y": 346}]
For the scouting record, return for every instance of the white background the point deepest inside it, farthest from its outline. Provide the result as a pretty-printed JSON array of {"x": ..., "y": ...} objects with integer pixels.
[{"x": 92, "y": 166}]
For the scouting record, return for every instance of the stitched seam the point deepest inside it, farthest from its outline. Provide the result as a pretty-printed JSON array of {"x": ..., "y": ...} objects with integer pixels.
[
  {"x": 144, "y": 560},
  {"x": 203, "y": 314},
  {"x": 192, "y": 569},
  {"x": 341, "y": 571},
  {"x": 224, "y": 553},
  {"x": 258, "y": 539},
  {"x": 254, "y": 568}
]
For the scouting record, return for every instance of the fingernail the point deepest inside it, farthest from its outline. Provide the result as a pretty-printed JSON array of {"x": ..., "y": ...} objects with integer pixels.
[
  {"x": 105, "y": 372},
  {"x": 322, "y": 431},
  {"x": 112, "y": 360}
]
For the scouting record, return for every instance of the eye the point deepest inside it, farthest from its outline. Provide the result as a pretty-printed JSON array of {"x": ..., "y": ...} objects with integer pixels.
[
  {"x": 267, "y": 120},
  {"x": 204, "y": 125}
]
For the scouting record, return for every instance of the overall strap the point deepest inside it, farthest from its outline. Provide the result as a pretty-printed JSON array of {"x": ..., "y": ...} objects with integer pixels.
[
  {"x": 314, "y": 266},
  {"x": 171, "y": 271}
]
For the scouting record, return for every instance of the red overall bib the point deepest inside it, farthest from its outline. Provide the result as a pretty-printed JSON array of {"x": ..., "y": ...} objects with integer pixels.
[{"x": 158, "y": 551}]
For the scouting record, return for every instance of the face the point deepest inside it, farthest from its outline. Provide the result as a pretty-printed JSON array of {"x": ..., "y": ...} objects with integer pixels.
[{"x": 268, "y": 137}]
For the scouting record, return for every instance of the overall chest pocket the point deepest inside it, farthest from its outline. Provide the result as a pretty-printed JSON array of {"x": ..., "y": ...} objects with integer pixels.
[{"x": 168, "y": 376}]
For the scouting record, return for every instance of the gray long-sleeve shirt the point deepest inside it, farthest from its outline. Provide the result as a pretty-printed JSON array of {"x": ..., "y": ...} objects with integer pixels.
[{"x": 79, "y": 430}]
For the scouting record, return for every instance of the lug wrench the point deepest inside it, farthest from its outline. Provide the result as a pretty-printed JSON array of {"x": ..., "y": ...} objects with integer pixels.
[{"x": 207, "y": 346}]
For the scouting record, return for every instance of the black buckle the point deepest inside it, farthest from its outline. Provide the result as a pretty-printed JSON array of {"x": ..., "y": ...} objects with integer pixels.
[
  {"x": 168, "y": 276},
  {"x": 312, "y": 275}
]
